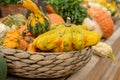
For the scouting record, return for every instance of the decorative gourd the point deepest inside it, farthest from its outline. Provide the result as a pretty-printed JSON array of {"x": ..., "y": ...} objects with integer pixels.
[
  {"x": 25, "y": 37},
  {"x": 3, "y": 68},
  {"x": 23, "y": 44},
  {"x": 17, "y": 20},
  {"x": 55, "y": 18},
  {"x": 109, "y": 4},
  {"x": 3, "y": 29},
  {"x": 21, "y": 29},
  {"x": 68, "y": 8},
  {"x": 1, "y": 19},
  {"x": 12, "y": 39},
  {"x": 66, "y": 38},
  {"x": 37, "y": 22},
  {"x": 31, "y": 48},
  {"x": 103, "y": 22}
]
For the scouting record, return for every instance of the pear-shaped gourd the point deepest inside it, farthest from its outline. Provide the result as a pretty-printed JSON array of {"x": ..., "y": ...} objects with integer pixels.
[{"x": 37, "y": 22}]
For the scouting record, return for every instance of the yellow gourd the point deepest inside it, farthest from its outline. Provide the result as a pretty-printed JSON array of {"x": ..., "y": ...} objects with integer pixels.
[
  {"x": 12, "y": 39},
  {"x": 66, "y": 37}
]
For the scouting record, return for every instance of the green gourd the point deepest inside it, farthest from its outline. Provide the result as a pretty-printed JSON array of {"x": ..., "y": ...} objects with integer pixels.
[
  {"x": 16, "y": 19},
  {"x": 3, "y": 68},
  {"x": 37, "y": 22}
]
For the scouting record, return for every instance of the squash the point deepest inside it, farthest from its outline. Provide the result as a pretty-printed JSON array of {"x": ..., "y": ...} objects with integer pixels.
[
  {"x": 12, "y": 39},
  {"x": 68, "y": 8},
  {"x": 3, "y": 29},
  {"x": 25, "y": 37},
  {"x": 38, "y": 22},
  {"x": 17, "y": 20},
  {"x": 3, "y": 68},
  {"x": 31, "y": 48},
  {"x": 23, "y": 44},
  {"x": 101, "y": 19},
  {"x": 66, "y": 37},
  {"x": 55, "y": 18}
]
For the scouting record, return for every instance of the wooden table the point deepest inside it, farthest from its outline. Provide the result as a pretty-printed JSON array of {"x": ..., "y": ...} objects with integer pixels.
[{"x": 98, "y": 68}]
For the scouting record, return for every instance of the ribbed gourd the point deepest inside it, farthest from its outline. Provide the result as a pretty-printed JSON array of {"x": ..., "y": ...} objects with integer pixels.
[
  {"x": 103, "y": 19},
  {"x": 16, "y": 19},
  {"x": 66, "y": 37},
  {"x": 37, "y": 22}
]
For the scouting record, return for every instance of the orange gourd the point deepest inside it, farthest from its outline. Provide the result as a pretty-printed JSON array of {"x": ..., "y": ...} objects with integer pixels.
[
  {"x": 12, "y": 39},
  {"x": 26, "y": 36},
  {"x": 55, "y": 18},
  {"x": 103, "y": 19},
  {"x": 22, "y": 28},
  {"x": 31, "y": 48},
  {"x": 23, "y": 44}
]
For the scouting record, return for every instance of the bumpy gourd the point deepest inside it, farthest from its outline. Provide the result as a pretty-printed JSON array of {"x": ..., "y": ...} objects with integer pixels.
[
  {"x": 37, "y": 22},
  {"x": 67, "y": 37},
  {"x": 12, "y": 39},
  {"x": 25, "y": 37}
]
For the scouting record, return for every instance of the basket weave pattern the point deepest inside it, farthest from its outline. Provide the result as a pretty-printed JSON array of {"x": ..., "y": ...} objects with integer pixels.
[{"x": 44, "y": 65}]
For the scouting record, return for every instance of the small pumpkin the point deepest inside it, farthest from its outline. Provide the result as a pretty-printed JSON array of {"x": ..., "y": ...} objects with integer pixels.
[
  {"x": 38, "y": 22},
  {"x": 66, "y": 37},
  {"x": 55, "y": 18},
  {"x": 104, "y": 21}
]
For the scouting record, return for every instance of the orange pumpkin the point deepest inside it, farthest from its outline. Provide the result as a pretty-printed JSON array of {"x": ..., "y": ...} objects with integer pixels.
[
  {"x": 55, "y": 18},
  {"x": 103, "y": 19}
]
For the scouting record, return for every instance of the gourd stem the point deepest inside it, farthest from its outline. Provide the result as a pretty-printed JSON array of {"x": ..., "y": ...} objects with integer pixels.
[{"x": 68, "y": 22}]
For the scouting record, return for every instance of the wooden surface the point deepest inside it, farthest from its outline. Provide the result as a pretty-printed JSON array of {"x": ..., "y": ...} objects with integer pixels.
[{"x": 98, "y": 68}]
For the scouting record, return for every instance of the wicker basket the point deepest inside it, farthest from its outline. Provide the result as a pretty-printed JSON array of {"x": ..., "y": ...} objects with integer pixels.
[{"x": 44, "y": 65}]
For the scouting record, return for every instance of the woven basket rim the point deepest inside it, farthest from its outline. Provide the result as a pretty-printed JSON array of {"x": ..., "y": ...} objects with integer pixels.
[
  {"x": 58, "y": 62},
  {"x": 43, "y": 52}
]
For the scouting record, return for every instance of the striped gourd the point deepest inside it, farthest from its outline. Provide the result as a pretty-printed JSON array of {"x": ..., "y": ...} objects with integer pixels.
[{"x": 37, "y": 22}]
